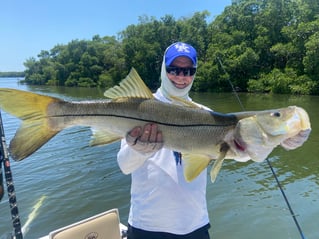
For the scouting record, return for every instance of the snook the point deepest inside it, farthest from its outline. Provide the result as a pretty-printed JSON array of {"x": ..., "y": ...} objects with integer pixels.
[{"x": 199, "y": 134}]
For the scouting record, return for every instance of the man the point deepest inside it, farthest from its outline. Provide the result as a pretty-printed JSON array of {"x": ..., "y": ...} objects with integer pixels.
[{"x": 163, "y": 204}]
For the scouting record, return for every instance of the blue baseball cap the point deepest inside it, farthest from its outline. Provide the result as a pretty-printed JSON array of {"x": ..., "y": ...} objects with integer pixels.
[{"x": 180, "y": 49}]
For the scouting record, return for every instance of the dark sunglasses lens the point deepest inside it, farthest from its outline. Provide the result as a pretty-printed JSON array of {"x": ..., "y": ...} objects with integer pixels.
[
  {"x": 189, "y": 71},
  {"x": 172, "y": 70},
  {"x": 177, "y": 70}
]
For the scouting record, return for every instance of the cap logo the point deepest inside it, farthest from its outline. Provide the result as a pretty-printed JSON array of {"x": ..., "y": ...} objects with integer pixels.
[{"x": 182, "y": 47}]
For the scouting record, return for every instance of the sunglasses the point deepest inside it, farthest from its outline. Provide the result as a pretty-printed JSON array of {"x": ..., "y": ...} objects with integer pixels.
[{"x": 187, "y": 71}]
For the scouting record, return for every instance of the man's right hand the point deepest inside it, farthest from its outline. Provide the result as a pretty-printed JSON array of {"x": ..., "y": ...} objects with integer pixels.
[{"x": 145, "y": 140}]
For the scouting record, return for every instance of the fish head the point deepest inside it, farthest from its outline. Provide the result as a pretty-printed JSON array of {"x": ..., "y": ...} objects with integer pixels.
[
  {"x": 285, "y": 122},
  {"x": 257, "y": 135}
]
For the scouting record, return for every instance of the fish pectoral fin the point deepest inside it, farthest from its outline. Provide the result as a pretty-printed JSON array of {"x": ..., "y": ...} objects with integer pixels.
[
  {"x": 29, "y": 138},
  {"x": 131, "y": 86},
  {"x": 194, "y": 164},
  {"x": 218, "y": 162},
  {"x": 216, "y": 168},
  {"x": 102, "y": 137}
]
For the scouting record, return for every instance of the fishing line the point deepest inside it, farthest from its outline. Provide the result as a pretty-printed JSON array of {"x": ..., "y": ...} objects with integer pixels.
[{"x": 269, "y": 164}]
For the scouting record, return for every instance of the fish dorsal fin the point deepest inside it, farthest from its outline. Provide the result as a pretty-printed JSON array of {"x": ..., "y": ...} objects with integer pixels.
[
  {"x": 131, "y": 86},
  {"x": 194, "y": 164},
  {"x": 180, "y": 101}
]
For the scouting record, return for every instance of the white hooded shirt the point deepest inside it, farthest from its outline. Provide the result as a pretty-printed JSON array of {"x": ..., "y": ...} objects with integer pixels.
[{"x": 161, "y": 199}]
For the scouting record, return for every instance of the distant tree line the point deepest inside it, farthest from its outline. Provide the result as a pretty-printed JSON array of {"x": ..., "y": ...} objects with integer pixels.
[
  {"x": 259, "y": 45},
  {"x": 12, "y": 74}
]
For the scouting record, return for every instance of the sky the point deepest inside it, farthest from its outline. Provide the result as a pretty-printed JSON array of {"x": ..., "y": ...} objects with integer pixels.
[{"x": 29, "y": 26}]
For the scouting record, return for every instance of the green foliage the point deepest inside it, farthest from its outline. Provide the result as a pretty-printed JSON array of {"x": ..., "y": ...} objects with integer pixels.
[
  {"x": 311, "y": 59},
  {"x": 282, "y": 82},
  {"x": 265, "y": 46},
  {"x": 79, "y": 63},
  {"x": 12, "y": 74}
]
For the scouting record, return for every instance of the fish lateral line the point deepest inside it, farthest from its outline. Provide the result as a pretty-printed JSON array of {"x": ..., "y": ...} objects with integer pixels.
[{"x": 141, "y": 119}]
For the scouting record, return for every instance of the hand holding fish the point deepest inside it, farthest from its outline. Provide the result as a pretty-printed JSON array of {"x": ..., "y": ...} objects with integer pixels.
[
  {"x": 148, "y": 140},
  {"x": 297, "y": 140}
]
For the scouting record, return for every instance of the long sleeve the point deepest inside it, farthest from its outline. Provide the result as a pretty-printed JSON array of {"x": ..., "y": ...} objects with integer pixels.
[{"x": 129, "y": 159}]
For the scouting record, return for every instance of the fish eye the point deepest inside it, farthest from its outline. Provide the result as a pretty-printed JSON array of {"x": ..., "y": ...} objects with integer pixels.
[{"x": 276, "y": 114}]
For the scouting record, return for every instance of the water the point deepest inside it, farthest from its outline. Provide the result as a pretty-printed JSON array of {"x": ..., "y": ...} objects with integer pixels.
[{"x": 79, "y": 181}]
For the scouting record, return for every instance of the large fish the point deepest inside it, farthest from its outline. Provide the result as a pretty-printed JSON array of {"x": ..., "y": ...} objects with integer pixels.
[{"x": 199, "y": 134}]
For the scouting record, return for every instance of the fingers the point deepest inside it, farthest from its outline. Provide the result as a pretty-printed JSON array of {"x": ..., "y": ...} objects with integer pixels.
[
  {"x": 149, "y": 133},
  {"x": 136, "y": 132},
  {"x": 297, "y": 140},
  {"x": 159, "y": 136},
  {"x": 133, "y": 135},
  {"x": 148, "y": 139}
]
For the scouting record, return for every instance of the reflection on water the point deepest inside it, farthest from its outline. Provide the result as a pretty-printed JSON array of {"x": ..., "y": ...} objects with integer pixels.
[{"x": 244, "y": 202}]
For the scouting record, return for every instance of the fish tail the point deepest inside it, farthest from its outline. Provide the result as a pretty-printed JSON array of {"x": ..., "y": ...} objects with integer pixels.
[{"x": 35, "y": 130}]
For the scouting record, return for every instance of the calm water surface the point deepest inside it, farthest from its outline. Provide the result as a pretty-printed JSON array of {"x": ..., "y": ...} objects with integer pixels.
[{"x": 78, "y": 181}]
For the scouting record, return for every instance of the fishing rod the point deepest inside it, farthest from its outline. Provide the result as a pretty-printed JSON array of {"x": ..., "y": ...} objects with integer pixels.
[
  {"x": 268, "y": 161},
  {"x": 1, "y": 182},
  {"x": 4, "y": 160}
]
